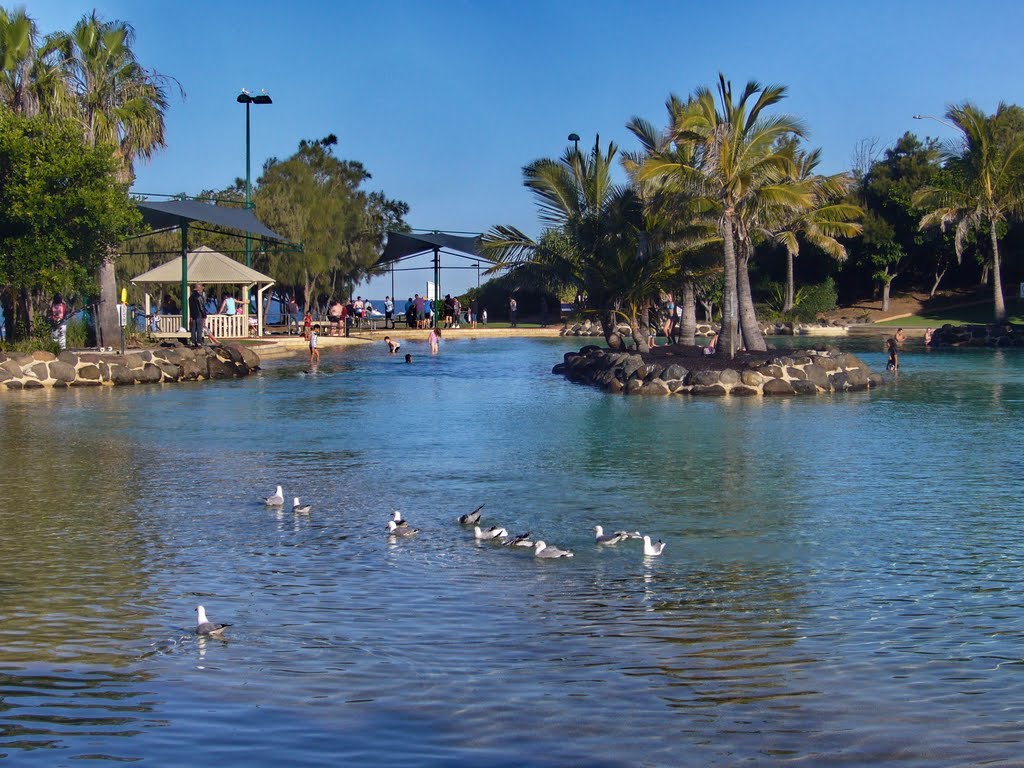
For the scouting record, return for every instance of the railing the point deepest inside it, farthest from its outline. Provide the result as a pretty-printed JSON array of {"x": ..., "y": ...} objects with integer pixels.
[{"x": 219, "y": 326}]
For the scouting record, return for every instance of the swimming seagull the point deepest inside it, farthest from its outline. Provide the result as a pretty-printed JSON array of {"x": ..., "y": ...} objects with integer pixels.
[
  {"x": 522, "y": 540},
  {"x": 540, "y": 549},
  {"x": 490, "y": 534},
  {"x": 300, "y": 509},
  {"x": 276, "y": 500},
  {"x": 396, "y": 518},
  {"x": 397, "y": 530},
  {"x": 653, "y": 550},
  {"x": 471, "y": 518},
  {"x": 206, "y": 627},
  {"x": 611, "y": 538}
]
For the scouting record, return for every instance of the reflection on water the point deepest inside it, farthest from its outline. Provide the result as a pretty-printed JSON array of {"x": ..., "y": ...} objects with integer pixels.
[{"x": 840, "y": 581}]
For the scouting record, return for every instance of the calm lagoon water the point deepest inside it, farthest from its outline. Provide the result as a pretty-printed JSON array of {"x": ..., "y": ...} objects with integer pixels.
[{"x": 841, "y": 584}]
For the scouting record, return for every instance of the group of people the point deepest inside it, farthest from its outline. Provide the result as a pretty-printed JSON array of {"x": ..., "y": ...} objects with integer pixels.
[{"x": 895, "y": 342}]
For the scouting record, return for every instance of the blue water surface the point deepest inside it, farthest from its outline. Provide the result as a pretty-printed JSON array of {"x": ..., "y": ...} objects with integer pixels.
[{"x": 841, "y": 583}]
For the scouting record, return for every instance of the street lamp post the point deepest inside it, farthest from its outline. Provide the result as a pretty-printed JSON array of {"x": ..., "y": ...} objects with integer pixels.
[
  {"x": 937, "y": 120},
  {"x": 247, "y": 98},
  {"x": 575, "y": 139}
]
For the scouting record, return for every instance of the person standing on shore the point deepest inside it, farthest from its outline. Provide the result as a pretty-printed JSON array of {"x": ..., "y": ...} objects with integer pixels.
[
  {"x": 513, "y": 312},
  {"x": 58, "y": 315},
  {"x": 389, "y": 313},
  {"x": 197, "y": 315},
  {"x": 314, "y": 350}
]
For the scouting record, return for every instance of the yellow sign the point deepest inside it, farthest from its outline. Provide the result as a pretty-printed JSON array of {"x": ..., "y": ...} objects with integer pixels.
[{"x": 124, "y": 295}]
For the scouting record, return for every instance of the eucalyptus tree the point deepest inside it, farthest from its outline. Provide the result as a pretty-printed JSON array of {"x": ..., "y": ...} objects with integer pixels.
[
  {"x": 735, "y": 170},
  {"x": 317, "y": 199},
  {"x": 828, "y": 217},
  {"x": 595, "y": 240},
  {"x": 120, "y": 104},
  {"x": 987, "y": 167}
]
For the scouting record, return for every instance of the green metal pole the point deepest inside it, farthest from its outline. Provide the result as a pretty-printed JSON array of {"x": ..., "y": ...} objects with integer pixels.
[
  {"x": 437, "y": 285},
  {"x": 248, "y": 189},
  {"x": 184, "y": 273}
]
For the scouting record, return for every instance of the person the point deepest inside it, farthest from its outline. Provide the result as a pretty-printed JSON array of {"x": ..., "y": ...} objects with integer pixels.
[
  {"x": 154, "y": 323},
  {"x": 456, "y": 310},
  {"x": 410, "y": 313},
  {"x": 471, "y": 314},
  {"x": 293, "y": 315},
  {"x": 712, "y": 345},
  {"x": 408, "y": 357},
  {"x": 670, "y": 318},
  {"x": 168, "y": 306},
  {"x": 371, "y": 321},
  {"x": 420, "y": 309},
  {"x": 197, "y": 313},
  {"x": 483, "y": 316},
  {"x": 513, "y": 312},
  {"x": 900, "y": 336},
  {"x": 433, "y": 338},
  {"x": 3, "y": 324},
  {"x": 928, "y": 333},
  {"x": 228, "y": 305},
  {"x": 894, "y": 358},
  {"x": 389, "y": 313},
  {"x": 57, "y": 314},
  {"x": 357, "y": 311},
  {"x": 307, "y": 324},
  {"x": 449, "y": 311},
  {"x": 334, "y": 313},
  {"x": 393, "y": 346},
  {"x": 314, "y": 350},
  {"x": 428, "y": 314}
]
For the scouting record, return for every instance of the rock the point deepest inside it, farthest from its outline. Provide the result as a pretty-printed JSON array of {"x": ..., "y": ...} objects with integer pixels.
[
  {"x": 88, "y": 373},
  {"x": 133, "y": 361},
  {"x": 39, "y": 371},
  {"x": 32, "y": 384},
  {"x": 838, "y": 381},
  {"x": 148, "y": 374},
  {"x": 818, "y": 376},
  {"x": 86, "y": 382},
  {"x": 703, "y": 378},
  {"x": 43, "y": 357},
  {"x": 857, "y": 377},
  {"x": 729, "y": 378},
  {"x": 752, "y": 379},
  {"x": 777, "y": 387},
  {"x": 559, "y": 369},
  {"x": 121, "y": 375},
  {"x": 804, "y": 387},
  {"x": 615, "y": 386},
  {"x": 771, "y": 371},
  {"x": 70, "y": 358},
  {"x": 62, "y": 372},
  {"x": 170, "y": 371},
  {"x": 876, "y": 380},
  {"x": 190, "y": 370},
  {"x": 14, "y": 384},
  {"x": 655, "y": 387},
  {"x": 795, "y": 373},
  {"x": 674, "y": 372},
  {"x": 826, "y": 363},
  {"x": 219, "y": 369},
  {"x": 5, "y": 375},
  {"x": 714, "y": 390},
  {"x": 744, "y": 391},
  {"x": 12, "y": 368}
]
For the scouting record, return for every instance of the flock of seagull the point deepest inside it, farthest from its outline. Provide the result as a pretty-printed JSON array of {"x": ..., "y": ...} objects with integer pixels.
[
  {"x": 398, "y": 527},
  {"x": 498, "y": 535}
]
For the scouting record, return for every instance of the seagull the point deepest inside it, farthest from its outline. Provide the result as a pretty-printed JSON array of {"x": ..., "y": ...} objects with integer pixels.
[
  {"x": 471, "y": 518},
  {"x": 396, "y": 518},
  {"x": 490, "y": 534},
  {"x": 276, "y": 500},
  {"x": 653, "y": 550},
  {"x": 205, "y": 626},
  {"x": 300, "y": 509},
  {"x": 522, "y": 540},
  {"x": 397, "y": 530},
  {"x": 611, "y": 538},
  {"x": 540, "y": 549}
]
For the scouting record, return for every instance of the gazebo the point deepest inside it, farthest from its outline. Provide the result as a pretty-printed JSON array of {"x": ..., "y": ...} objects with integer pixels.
[{"x": 207, "y": 266}]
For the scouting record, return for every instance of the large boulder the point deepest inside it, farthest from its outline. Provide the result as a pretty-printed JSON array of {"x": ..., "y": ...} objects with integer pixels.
[
  {"x": 674, "y": 372},
  {"x": 818, "y": 375},
  {"x": 777, "y": 387},
  {"x": 148, "y": 374},
  {"x": 42, "y": 356},
  {"x": 655, "y": 387},
  {"x": 803, "y": 387},
  {"x": 713, "y": 390},
  {"x": 121, "y": 375},
  {"x": 219, "y": 369},
  {"x": 88, "y": 372},
  {"x": 704, "y": 378},
  {"x": 62, "y": 372},
  {"x": 729, "y": 378}
]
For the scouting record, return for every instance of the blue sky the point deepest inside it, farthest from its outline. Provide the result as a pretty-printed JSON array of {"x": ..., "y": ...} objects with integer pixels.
[{"x": 445, "y": 101}]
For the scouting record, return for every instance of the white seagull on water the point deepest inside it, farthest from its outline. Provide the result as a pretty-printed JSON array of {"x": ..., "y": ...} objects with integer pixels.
[
  {"x": 471, "y": 518},
  {"x": 276, "y": 500},
  {"x": 401, "y": 530},
  {"x": 653, "y": 550},
  {"x": 540, "y": 549},
  {"x": 522, "y": 540},
  {"x": 206, "y": 627},
  {"x": 490, "y": 534},
  {"x": 396, "y": 518},
  {"x": 300, "y": 509},
  {"x": 612, "y": 538}
]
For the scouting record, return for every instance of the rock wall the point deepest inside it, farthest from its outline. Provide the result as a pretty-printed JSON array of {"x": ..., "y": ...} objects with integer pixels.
[
  {"x": 172, "y": 362},
  {"x": 590, "y": 328},
  {"x": 995, "y": 335},
  {"x": 798, "y": 373}
]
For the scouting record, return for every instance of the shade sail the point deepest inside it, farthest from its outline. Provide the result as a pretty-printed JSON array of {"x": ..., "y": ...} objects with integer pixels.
[
  {"x": 206, "y": 266},
  {"x": 170, "y": 214},
  {"x": 403, "y": 244}
]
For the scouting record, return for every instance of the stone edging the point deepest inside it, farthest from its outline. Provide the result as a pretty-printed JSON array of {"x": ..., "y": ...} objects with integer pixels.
[
  {"x": 995, "y": 335},
  {"x": 799, "y": 373},
  {"x": 172, "y": 362}
]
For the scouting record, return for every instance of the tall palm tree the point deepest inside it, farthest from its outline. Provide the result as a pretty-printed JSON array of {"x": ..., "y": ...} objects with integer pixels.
[
  {"x": 30, "y": 82},
  {"x": 594, "y": 239},
  {"x": 735, "y": 169},
  {"x": 120, "y": 104},
  {"x": 988, "y": 168},
  {"x": 820, "y": 223}
]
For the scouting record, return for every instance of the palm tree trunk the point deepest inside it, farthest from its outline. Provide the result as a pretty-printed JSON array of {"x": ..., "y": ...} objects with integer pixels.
[
  {"x": 727, "y": 341},
  {"x": 939, "y": 274},
  {"x": 688, "y": 324},
  {"x": 107, "y": 329},
  {"x": 886, "y": 285},
  {"x": 997, "y": 281},
  {"x": 612, "y": 339},
  {"x": 787, "y": 303},
  {"x": 748, "y": 315}
]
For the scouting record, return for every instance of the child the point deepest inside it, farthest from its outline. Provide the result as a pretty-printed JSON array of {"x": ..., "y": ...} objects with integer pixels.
[
  {"x": 314, "y": 351},
  {"x": 408, "y": 357},
  {"x": 433, "y": 338},
  {"x": 393, "y": 346},
  {"x": 894, "y": 359},
  {"x": 307, "y": 324}
]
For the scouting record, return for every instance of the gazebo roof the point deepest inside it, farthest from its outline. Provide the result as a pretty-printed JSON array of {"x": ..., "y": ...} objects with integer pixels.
[{"x": 205, "y": 265}]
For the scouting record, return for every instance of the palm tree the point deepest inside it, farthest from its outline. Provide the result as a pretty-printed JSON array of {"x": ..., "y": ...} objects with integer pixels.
[
  {"x": 988, "y": 168},
  {"x": 120, "y": 104},
  {"x": 735, "y": 169},
  {"x": 595, "y": 240},
  {"x": 820, "y": 223}
]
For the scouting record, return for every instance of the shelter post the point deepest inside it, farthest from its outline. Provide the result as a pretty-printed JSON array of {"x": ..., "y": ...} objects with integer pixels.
[
  {"x": 259, "y": 310},
  {"x": 184, "y": 273},
  {"x": 437, "y": 284}
]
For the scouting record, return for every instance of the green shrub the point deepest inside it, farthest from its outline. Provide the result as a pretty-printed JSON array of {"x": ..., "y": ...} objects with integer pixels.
[
  {"x": 78, "y": 334},
  {"x": 814, "y": 300}
]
